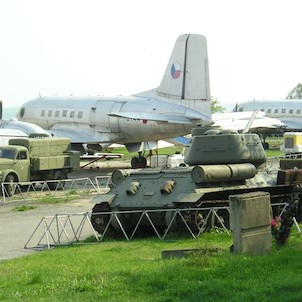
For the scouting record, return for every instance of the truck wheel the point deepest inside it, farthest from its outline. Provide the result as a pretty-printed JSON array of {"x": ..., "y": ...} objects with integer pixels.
[
  {"x": 9, "y": 187},
  {"x": 58, "y": 175}
]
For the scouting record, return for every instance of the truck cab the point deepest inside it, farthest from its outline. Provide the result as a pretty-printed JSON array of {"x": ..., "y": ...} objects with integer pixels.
[{"x": 14, "y": 161}]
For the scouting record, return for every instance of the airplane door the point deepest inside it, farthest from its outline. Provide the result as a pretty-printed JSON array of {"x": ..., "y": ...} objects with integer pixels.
[
  {"x": 92, "y": 116},
  {"x": 114, "y": 121}
]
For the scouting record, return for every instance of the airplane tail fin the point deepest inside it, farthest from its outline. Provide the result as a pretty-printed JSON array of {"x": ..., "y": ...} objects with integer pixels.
[{"x": 187, "y": 74}]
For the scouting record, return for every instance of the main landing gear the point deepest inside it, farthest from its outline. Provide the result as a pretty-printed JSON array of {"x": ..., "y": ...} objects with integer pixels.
[{"x": 138, "y": 162}]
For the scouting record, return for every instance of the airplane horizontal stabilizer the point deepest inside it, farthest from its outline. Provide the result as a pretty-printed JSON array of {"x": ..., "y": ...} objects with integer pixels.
[
  {"x": 140, "y": 147},
  {"x": 180, "y": 140}
]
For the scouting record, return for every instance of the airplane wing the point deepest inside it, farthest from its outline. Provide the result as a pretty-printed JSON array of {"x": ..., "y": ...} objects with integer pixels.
[
  {"x": 165, "y": 118},
  {"x": 238, "y": 121},
  {"x": 75, "y": 137},
  {"x": 81, "y": 137},
  {"x": 292, "y": 124}
]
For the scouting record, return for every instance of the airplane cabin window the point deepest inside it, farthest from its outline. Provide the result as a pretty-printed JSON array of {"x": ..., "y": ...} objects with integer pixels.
[
  {"x": 276, "y": 111},
  {"x": 57, "y": 113},
  {"x": 49, "y": 113},
  {"x": 269, "y": 110},
  {"x": 80, "y": 114},
  {"x": 72, "y": 114},
  {"x": 262, "y": 110},
  {"x": 64, "y": 113},
  {"x": 290, "y": 111},
  {"x": 283, "y": 110},
  {"x": 43, "y": 113},
  {"x": 298, "y": 111}
]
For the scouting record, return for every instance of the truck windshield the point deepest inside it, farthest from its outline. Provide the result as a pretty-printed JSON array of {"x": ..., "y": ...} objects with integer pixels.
[{"x": 7, "y": 153}]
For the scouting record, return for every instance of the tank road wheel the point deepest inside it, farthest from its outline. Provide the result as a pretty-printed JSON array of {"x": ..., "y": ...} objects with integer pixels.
[
  {"x": 100, "y": 221},
  {"x": 9, "y": 187},
  {"x": 200, "y": 221},
  {"x": 212, "y": 222}
]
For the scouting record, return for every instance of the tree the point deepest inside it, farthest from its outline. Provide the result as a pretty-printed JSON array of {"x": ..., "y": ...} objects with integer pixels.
[
  {"x": 295, "y": 93},
  {"x": 216, "y": 106}
]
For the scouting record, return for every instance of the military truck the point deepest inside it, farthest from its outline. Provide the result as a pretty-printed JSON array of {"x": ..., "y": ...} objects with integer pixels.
[
  {"x": 219, "y": 163},
  {"x": 36, "y": 159}
]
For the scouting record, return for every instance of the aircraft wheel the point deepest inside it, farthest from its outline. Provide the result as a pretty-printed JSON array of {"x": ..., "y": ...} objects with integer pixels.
[{"x": 138, "y": 162}]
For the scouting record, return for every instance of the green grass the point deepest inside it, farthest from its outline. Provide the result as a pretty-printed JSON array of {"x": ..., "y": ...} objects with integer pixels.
[
  {"x": 134, "y": 271},
  {"x": 166, "y": 151},
  {"x": 272, "y": 152},
  {"x": 23, "y": 208}
]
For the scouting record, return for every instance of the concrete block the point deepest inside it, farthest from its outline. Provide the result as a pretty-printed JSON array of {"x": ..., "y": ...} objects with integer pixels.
[{"x": 250, "y": 222}]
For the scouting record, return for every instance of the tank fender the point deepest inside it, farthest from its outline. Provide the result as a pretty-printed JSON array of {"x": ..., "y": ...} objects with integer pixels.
[
  {"x": 188, "y": 198},
  {"x": 101, "y": 198},
  {"x": 4, "y": 173}
]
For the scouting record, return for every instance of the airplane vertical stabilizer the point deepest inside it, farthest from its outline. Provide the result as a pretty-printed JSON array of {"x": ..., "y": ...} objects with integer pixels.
[{"x": 187, "y": 75}]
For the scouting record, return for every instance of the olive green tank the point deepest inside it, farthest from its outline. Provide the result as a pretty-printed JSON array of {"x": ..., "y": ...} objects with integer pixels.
[{"x": 219, "y": 163}]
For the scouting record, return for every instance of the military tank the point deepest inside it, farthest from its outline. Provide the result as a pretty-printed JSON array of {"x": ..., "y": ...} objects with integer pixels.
[{"x": 218, "y": 163}]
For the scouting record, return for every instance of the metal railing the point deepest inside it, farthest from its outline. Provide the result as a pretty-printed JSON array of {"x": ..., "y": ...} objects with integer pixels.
[
  {"x": 66, "y": 229},
  {"x": 55, "y": 188},
  {"x": 63, "y": 229}
]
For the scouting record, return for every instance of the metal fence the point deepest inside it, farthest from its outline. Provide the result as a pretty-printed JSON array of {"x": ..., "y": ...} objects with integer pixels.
[
  {"x": 65, "y": 229},
  {"x": 55, "y": 188}
]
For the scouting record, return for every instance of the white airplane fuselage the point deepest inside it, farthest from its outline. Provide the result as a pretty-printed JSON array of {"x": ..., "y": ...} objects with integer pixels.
[
  {"x": 288, "y": 111},
  {"x": 94, "y": 119}
]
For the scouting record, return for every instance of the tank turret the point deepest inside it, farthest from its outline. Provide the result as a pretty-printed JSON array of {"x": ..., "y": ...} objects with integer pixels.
[{"x": 224, "y": 147}]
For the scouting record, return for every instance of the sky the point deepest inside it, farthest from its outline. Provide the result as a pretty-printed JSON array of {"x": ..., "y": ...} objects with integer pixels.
[{"x": 122, "y": 47}]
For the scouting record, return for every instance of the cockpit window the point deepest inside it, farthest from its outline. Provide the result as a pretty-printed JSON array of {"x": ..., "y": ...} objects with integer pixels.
[{"x": 7, "y": 153}]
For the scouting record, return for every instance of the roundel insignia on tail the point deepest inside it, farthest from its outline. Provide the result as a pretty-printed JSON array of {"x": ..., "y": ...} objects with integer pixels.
[{"x": 175, "y": 70}]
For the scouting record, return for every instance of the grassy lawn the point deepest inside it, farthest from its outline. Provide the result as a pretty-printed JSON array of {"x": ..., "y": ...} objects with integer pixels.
[
  {"x": 274, "y": 150},
  {"x": 135, "y": 271}
]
